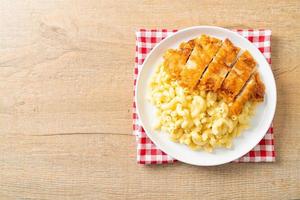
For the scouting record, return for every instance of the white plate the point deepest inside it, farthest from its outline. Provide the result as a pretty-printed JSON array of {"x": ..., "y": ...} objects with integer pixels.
[{"x": 241, "y": 145}]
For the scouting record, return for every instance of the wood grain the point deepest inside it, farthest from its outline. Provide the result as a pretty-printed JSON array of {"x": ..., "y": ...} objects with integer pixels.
[{"x": 66, "y": 75}]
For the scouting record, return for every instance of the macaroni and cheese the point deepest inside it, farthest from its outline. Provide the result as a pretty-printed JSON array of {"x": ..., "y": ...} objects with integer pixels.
[{"x": 197, "y": 118}]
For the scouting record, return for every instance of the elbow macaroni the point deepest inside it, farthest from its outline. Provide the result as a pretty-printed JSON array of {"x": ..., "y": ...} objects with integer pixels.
[{"x": 198, "y": 118}]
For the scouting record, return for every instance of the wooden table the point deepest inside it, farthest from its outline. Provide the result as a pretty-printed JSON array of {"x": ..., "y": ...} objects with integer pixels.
[{"x": 66, "y": 80}]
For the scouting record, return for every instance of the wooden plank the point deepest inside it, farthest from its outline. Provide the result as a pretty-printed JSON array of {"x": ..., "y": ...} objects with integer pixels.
[
  {"x": 66, "y": 75},
  {"x": 90, "y": 166}
]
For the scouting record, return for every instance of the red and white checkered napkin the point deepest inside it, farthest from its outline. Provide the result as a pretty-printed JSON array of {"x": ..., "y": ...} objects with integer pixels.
[{"x": 147, "y": 152}]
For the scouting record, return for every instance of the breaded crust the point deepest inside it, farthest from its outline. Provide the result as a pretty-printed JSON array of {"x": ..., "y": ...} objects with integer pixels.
[
  {"x": 204, "y": 51},
  {"x": 237, "y": 77},
  {"x": 175, "y": 59},
  {"x": 219, "y": 67}
]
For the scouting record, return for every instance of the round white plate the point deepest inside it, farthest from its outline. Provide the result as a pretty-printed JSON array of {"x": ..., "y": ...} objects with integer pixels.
[{"x": 241, "y": 145}]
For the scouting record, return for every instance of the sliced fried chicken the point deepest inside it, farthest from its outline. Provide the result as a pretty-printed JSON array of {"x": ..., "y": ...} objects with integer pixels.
[
  {"x": 237, "y": 77},
  {"x": 204, "y": 51},
  {"x": 219, "y": 67},
  {"x": 175, "y": 59}
]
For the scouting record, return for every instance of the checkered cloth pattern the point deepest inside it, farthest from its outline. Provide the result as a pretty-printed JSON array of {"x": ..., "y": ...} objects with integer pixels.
[{"x": 147, "y": 152}]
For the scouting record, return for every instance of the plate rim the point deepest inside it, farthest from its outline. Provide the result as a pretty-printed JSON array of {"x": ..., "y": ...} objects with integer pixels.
[{"x": 273, "y": 110}]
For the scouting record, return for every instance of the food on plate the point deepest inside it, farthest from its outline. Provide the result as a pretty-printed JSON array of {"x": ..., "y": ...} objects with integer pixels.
[
  {"x": 237, "y": 106},
  {"x": 259, "y": 90},
  {"x": 218, "y": 69},
  {"x": 254, "y": 89},
  {"x": 175, "y": 59},
  {"x": 204, "y": 93},
  {"x": 204, "y": 50},
  {"x": 238, "y": 76}
]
